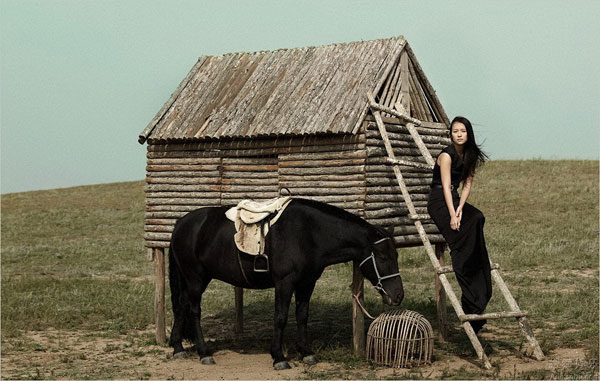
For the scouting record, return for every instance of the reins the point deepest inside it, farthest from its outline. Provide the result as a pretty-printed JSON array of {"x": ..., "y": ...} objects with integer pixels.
[
  {"x": 378, "y": 286},
  {"x": 356, "y": 297}
]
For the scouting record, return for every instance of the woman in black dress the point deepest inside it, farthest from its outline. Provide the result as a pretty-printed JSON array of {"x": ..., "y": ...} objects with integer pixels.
[{"x": 460, "y": 223}]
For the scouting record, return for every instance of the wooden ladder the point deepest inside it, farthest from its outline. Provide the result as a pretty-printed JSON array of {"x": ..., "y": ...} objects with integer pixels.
[{"x": 440, "y": 270}]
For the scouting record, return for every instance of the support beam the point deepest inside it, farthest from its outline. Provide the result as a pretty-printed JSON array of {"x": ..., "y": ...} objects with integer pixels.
[
  {"x": 159, "y": 295},
  {"x": 239, "y": 310},
  {"x": 358, "y": 317}
]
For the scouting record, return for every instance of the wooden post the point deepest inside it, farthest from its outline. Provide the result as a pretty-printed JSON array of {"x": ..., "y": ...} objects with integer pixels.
[
  {"x": 440, "y": 298},
  {"x": 159, "y": 294},
  {"x": 239, "y": 310},
  {"x": 358, "y": 317}
]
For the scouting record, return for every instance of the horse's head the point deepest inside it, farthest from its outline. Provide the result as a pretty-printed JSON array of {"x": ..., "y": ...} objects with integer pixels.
[{"x": 380, "y": 267}]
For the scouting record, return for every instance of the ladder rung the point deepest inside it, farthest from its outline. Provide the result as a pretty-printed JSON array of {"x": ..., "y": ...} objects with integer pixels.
[
  {"x": 407, "y": 163},
  {"x": 493, "y": 315},
  {"x": 419, "y": 216},
  {"x": 400, "y": 115},
  {"x": 449, "y": 269}
]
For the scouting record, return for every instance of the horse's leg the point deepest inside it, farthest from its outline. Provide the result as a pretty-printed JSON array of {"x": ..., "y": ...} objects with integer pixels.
[
  {"x": 196, "y": 312},
  {"x": 181, "y": 307},
  {"x": 177, "y": 332},
  {"x": 303, "y": 294},
  {"x": 283, "y": 295}
]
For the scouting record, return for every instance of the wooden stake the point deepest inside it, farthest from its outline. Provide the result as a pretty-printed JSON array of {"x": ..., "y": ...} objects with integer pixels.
[
  {"x": 159, "y": 294},
  {"x": 358, "y": 317},
  {"x": 239, "y": 310}
]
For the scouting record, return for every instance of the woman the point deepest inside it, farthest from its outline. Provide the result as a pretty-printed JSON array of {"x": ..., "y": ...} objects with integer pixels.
[{"x": 460, "y": 223}]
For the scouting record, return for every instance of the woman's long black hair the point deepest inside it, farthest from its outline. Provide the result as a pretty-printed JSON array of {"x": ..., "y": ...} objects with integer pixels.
[{"x": 473, "y": 156}]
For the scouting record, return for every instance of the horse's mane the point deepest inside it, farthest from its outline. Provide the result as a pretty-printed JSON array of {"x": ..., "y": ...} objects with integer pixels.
[{"x": 341, "y": 213}]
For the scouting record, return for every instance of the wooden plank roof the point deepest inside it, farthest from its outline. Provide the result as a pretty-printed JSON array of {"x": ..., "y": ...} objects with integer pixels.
[{"x": 287, "y": 92}]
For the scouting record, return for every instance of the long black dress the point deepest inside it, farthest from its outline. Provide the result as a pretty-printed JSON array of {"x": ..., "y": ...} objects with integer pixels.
[{"x": 467, "y": 245}]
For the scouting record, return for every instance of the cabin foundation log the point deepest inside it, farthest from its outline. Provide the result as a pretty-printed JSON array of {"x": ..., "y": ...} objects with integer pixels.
[
  {"x": 358, "y": 318},
  {"x": 159, "y": 295},
  {"x": 239, "y": 310}
]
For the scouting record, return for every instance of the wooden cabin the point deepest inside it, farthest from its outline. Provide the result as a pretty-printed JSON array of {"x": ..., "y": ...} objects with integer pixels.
[{"x": 243, "y": 125}]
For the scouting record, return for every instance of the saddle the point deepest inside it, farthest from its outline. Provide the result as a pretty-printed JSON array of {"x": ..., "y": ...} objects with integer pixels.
[{"x": 252, "y": 221}]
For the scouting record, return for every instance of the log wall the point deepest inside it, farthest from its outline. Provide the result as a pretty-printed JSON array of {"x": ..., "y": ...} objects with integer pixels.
[
  {"x": 184, "y": 176},
  {"x": 176, "y": 185},
  {"x": 347, "y": 171}
]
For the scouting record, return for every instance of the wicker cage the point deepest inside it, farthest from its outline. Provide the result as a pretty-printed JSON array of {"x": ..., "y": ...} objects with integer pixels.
[{"x": 400, "y": 339}]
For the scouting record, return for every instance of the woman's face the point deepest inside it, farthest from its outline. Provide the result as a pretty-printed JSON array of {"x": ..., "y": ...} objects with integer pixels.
[{"x": 459, "y": 133}]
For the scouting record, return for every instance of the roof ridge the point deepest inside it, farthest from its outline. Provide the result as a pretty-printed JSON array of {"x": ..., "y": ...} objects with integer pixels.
[{"x": 399, "y": 37}]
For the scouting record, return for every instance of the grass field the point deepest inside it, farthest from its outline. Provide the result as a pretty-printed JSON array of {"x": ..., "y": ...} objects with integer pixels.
[{"x": 73, "y": 265}]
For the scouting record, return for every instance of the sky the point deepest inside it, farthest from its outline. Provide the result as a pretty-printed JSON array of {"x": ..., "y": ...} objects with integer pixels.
[{"x": 80, "y": 79}]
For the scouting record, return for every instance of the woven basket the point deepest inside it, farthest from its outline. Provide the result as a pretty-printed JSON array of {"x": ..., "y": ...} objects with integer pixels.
[{"x": 400, "y": 339}]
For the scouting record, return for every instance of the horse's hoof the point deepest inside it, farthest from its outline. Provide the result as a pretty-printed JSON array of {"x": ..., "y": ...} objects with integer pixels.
[
  {"x": 310, "y": 360},
  {"x": 180, "y": 355},
  {"x": 282, "y": 365},
  {"x": 208, "y": 360}
]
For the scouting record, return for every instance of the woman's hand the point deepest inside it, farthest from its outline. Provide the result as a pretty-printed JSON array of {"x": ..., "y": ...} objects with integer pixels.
[
  {"x": 454, "y": 222},
  {"x": 459, "y": 213}
]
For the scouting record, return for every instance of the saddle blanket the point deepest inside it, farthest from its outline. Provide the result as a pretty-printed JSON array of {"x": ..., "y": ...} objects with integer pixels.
[{"x": 248, "y": 218}]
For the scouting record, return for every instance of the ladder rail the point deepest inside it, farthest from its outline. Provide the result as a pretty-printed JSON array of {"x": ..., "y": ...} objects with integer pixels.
[{"x": 418, "y": 140}]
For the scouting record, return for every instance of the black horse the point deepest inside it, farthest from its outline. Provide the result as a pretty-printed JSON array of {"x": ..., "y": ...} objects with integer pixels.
[{"x": 308, "y": 237}]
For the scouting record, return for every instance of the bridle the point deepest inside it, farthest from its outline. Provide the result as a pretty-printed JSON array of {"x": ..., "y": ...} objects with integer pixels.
[{"x": 378, "y": 286}]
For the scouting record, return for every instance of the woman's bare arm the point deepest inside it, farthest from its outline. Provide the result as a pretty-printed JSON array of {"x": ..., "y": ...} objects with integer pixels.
[
  {"x": 464, "y": 195},
  {"x": 445, "y": 163}
]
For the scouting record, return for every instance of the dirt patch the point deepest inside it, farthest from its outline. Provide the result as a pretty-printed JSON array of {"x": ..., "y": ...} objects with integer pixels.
[
  {"x": 584, "y": 273},
  {"x": 57, "y": 354}
]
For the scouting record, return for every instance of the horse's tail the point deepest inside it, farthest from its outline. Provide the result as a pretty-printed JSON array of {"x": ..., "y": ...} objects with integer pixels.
[{"x": 180, "y": 301}]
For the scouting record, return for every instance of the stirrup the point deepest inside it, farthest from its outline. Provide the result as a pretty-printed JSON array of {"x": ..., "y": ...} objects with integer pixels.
[{"x": 263, "y": 263}]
